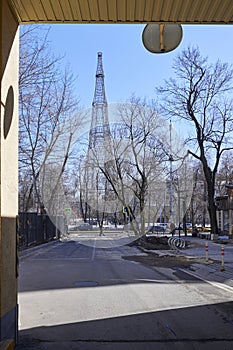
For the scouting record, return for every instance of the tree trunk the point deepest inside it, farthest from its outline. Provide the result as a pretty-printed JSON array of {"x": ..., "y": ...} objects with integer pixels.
[
  {"x": 212, "y": 211},
  {"x": 211, "y": 199}
]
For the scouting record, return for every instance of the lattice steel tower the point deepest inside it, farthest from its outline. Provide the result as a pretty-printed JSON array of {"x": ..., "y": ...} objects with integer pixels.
[
  {"x": 99, "y": 134},
  {"x": 99, "y": 147}
]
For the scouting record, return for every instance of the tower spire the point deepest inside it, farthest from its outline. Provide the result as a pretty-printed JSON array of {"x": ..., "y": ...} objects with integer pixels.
[
  {"x": 99, "y": 95},
  {"x": 100, "y": 131},
  {"x": 99, "y": 149}
]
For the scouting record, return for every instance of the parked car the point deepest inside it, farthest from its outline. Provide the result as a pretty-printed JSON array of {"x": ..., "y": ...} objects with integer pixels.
[
  {"x": 206, "y": 229},
  {"x": 194, "y": 231},
  {"x": 72, "y": 228},
  {"x": 199, "y": 228},
  {"x": 85, "y": 226},
  {"x": 93, "y": 222},
  {"x": 226, "y": 228},
  {"x": 195, "y": 227},
  {"x": 188, "y": 226},
  {"x": 163, "y": 224},
  {"x": 156, "y": 229}
]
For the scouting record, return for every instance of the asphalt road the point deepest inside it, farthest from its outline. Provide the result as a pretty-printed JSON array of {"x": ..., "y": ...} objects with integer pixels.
[{"x": 77, "y": 296}]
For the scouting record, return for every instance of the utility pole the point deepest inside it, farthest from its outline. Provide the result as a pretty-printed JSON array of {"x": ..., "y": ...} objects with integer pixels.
[{"x": 171, "y": 159}]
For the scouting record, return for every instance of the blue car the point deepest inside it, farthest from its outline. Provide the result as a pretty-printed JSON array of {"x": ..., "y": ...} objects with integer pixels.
[{"x": 156, "y": 229}]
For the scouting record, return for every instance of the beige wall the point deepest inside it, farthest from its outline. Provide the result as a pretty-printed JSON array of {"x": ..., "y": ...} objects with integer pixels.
[{"x": 9, "y": 58}]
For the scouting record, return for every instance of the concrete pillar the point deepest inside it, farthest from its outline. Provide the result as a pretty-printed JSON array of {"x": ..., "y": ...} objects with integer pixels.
[
  {"x": 220, "y": 219},
  {"x": 230, "y": 222},
  {"x": 9, "y": 58}
]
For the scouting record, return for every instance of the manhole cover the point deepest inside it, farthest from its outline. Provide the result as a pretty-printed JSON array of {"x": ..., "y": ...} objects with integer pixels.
[{"x": 86, "y": 284}]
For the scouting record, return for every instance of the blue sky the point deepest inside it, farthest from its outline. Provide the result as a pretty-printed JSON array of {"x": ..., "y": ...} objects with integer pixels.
[{"x": 128, "y": 66}]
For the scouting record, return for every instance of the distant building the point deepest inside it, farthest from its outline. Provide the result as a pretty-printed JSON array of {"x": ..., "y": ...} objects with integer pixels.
[{"x": 224, "y": 211}]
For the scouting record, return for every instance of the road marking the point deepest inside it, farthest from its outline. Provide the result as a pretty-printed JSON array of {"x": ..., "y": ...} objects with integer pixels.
[
  {"x": 215, "y": 284},
  {"x": 93, "y": 251}
]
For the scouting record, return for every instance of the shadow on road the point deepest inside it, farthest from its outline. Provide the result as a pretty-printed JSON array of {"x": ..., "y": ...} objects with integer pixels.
[
  {"x": 154, "y": 330},
  {"x": 49, "y": 273}
]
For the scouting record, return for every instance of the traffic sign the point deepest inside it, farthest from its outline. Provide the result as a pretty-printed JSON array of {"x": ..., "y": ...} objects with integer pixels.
[
  {"x": 68, "y": 211},
  {"x": 125, "y": 210}
]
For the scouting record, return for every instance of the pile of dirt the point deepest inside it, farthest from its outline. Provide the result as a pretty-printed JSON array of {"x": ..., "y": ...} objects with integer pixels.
[
  {"x": 152, "y": 242},
  {"x": 167, "y": 261}
]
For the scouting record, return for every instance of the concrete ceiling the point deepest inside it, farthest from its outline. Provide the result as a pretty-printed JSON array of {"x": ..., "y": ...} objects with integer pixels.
[{"x": 123, "y": 11}]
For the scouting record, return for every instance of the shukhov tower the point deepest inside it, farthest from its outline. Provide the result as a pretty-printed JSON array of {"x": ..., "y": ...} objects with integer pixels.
[
  {"x": 99, "y": 147},
  {"x": 99, "y": 135}
]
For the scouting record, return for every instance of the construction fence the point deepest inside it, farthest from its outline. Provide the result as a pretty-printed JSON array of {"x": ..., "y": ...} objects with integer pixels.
[{"x": 35, "y": 229}]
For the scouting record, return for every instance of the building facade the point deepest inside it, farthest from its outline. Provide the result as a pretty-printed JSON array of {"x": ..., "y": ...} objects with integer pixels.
[{"x": 225, "y": 211}]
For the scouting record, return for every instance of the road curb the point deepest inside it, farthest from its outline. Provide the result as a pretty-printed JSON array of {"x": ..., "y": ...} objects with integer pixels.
[
  {"x": 31, "y": 250},
  {"x": 218, "y": 284}
]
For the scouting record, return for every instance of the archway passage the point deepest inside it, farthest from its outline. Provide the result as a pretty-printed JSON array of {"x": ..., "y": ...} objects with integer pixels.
[{"x": 15, "y": 12}]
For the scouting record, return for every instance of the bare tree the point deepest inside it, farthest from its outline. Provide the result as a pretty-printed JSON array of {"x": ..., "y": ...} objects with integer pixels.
[
  {"x": 138, "y": 167},
  {"x": 46, "y": 101},
  {"x": 225, "y": 173},
  {"x": 198, "y": 203},
  {"x": 200, "y": 95}
]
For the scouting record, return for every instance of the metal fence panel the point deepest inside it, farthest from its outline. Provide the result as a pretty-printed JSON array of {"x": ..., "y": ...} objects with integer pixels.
[{"x": 37, "y": 229}]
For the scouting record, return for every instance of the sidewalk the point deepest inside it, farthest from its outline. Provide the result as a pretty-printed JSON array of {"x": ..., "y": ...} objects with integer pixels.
[
  {"x": 210, "y": 269},
  {"x": 27, "y": 252}
]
